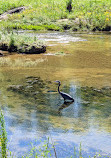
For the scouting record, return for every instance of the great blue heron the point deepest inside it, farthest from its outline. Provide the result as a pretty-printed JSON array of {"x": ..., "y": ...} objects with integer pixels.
[{"x": 67, "y": 97}]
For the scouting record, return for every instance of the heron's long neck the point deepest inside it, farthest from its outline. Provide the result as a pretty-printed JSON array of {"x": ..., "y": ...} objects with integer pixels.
[{"x": 58, "y": 88}]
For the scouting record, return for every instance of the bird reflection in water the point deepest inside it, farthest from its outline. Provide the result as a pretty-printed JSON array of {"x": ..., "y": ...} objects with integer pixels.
[{"x": 64, "y": 105}]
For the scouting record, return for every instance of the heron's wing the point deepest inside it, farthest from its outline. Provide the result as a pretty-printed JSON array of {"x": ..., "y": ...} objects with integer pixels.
[{"x": 65, "y": 95}]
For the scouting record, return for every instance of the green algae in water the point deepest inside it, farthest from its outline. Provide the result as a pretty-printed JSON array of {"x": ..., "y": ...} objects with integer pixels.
[
  {"x": 96, "y": 95},
  {"x": 60, "y": 53}
]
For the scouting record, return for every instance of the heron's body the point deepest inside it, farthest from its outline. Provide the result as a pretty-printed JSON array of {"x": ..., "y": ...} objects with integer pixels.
[{"x": 67, "y": 97}]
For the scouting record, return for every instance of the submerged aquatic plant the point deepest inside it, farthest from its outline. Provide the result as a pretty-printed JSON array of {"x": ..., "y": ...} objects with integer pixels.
[{"x": 20, "y": 62}]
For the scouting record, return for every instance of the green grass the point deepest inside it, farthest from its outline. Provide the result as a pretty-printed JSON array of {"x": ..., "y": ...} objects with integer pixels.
[
  {"x": 44, "y": 15},
  {"x": 14, "y": 42},
  {"x": 3, "y": 137},
  {"x": 18, "y": 39}
]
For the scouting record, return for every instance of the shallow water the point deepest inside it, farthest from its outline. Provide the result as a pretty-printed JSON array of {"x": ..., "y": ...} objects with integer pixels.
[{"x": 76, "y": 60}]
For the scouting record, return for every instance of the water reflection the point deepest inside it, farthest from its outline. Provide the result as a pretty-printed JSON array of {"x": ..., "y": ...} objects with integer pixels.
[
  {"x": 64, "y": 105},
  {"x": 38, "y": 111},
  {"x": 27, "y": 116}
]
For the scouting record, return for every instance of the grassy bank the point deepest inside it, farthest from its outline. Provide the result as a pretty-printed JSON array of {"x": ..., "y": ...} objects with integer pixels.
[
  {"x": 14, "y": 42},
  {"x": 53, "y": 15}
]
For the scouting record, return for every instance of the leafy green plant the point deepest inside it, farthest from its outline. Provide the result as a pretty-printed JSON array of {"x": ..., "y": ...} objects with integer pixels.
[
  {"x": 43, "y": 150},
  {"x": 3, "y": 137}
]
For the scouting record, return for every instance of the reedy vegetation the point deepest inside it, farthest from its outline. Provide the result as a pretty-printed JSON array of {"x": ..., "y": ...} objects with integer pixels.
[
  {"x": 21, "y": 43},
  {"x": 44, "y": 15},
  {"x": 3, "y": 137},
  {"x": 15, "y": 38}
]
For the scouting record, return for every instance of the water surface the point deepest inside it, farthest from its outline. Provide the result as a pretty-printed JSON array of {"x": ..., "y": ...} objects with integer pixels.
[{"x": 77, "y": 60}]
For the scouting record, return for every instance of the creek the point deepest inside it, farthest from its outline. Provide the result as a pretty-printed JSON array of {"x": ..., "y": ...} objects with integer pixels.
[{"x": 34, "y": 110}]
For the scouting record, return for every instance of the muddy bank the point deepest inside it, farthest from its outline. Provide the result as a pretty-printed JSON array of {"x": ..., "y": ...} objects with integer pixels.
[{"x": 26, "y": 49}]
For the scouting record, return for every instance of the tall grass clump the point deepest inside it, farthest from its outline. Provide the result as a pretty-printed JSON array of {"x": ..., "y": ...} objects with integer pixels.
[
  {"x": 21, "y": 43},
  {"x": 3, "y": 137},
  {"x": 12, "y": 38},
  {"x": 12, "y": 41}
]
